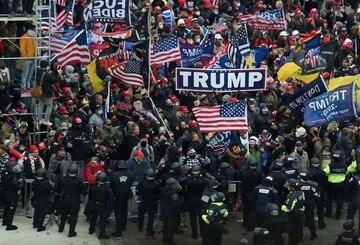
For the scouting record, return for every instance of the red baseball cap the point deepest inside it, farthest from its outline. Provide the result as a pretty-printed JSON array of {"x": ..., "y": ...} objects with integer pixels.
[
  {"x": 139, "y": 153},
  {"x": 183, "y": 108}
]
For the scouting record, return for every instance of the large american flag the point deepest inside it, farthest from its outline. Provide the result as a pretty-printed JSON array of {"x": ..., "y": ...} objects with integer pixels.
[
  {"x": 76, "y": 52},
  {"x": 312, "y": 57},
  {"x": 60, "y": 40},
  {"x": 221, "y": 118},
  {"x": 267, "y": 20},
  {"x": 239, "y": 47},
  {"x": 165, "y": 50},
  {"x": 65, "y": 16},
  {"x": 45, "y": 19},
  {"x": 129, "y": 72}
]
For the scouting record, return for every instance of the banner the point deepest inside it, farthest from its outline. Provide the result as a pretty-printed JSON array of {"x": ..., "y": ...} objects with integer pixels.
[
  {"x": 267, "y": 20},
  {"x": 258, "y": 55},
  {"x": 221, "y": 141},
  {"x": 309, "y": 91},
  {"x": 291, "y": 69},
  {"x": 108, "y": 11},
  {"x": 331, "y": 106},
  {"x": 218, "y": 80},
  {"x": 191, "y": 54}
]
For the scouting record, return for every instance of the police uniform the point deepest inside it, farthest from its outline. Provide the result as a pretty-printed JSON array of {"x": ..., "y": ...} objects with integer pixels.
[
  {"x": 348, "y": 237},
  {"x": 100, "y": 202},
  {"x": 354, "y": 190},
  {"x": 336, "y": 174},
  {"x": 71, "y": 188},
  {"x": 214, "y": 219},
  {"x": 120, "y": 182},
  {"x": 294, "y": 207}
]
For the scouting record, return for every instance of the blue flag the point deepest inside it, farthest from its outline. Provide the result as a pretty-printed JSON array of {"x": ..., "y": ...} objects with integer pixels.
[
  {"x": 331, "y": 106},
  {"x": 221, "y": 141},
  {"x": 190, "y": 54},
  {"x": 258, "y": 55},
  {"x": 313, "y": 42}
]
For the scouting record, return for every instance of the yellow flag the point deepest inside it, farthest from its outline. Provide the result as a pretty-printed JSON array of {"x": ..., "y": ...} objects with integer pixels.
[
  {"x": 96, "y": 82},
  {"x": 342, "y": 81},
  {"x": 293, "y": 70}
]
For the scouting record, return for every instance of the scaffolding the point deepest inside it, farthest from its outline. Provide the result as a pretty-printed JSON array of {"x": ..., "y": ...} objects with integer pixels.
[{"x": 43, "y": 29}]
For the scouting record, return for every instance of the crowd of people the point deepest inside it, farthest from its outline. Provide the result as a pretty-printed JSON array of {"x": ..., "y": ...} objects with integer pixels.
[{"x": 101, "y": 144}]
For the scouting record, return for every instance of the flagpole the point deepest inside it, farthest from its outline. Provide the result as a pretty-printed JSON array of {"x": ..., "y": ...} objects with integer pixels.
[
  {"x": 66, "y": 45},
  {"x": 148, "y": 56}
]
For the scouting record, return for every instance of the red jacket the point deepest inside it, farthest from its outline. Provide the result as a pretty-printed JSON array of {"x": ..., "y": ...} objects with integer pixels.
[{"x": 90, "y": 172}]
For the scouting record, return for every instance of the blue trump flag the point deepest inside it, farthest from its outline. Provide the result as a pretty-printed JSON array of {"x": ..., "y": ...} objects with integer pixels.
[
  {"x": 313, "y": 42},
  {"x": 331, "y": 106},
  {"x": 219, "y": 142},
  {"x": 309, "y": 91},
  {"x": 258, "y": 55},
  {"x": 191, "y": 54}
]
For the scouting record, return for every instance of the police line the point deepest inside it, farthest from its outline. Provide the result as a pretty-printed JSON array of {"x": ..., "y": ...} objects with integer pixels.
[{"x": 220, "y": 80}]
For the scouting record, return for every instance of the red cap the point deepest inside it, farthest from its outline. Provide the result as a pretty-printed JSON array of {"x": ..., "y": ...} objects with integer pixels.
[
  {"x": 33, "y": 148},
  {"x": 233, "y": 100},
  {"x": 139, "y": 153},
  {"x": 77, "y": 120},
  {"x": 297, "y": 11},
  {"x": 69, "y": 102},
  {"x": 183, "y": 108},
  {"x": 157, "y": 8},
  {"x": 63, "y": 110},
  {"x": 41, "y": 145},
  {"x": 164, "y": 80},
  {"x": 192, "y": 123},
  {"x": 57, "y": 85},
  {"x": 181, "y": 3},
  {"x": 66, "y": 90},
  {"x": 12, "y": 159},
  {"x": 326, "y": 74},
  {"x": 125, "y": 94},
  {"x": 173, "y": 98},
  {"x": 270, "y": 82}
]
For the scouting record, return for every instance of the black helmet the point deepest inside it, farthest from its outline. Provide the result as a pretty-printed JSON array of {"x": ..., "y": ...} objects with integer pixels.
[
  {"x": 293, "y": 183},
  {"x": 213, "y": 183},
  {"x": 217, "y": 197},
  {"x": 272, "y": 209},
  {"x": 315, "y": 162},
  {"x": 304, "y": 175},
  {"x": 336, "y": 155},
  {"x": 170, "y": 181},
  {"x": 101, "y": 178},
  {"x": 41, "y": 173},
  {"x": 261, "y": 233},
  {"x": 348, "y": 224},
  {"x": 12, "y": 167},
  {"x": 121, "y": 165},
  {"x": 173, "y": 185},
  {"x": 252, "y": 163},
  {"x": 269, "y": 180},
  {"x": 288, "y": 161},
  {"x": 150, "y": 174},
  {"x": 73, "y": 170},
  {"x": 278, "y": 164},
  {"x": 196, "y": 169},
  {"x": 175, "y": 167},
  {"x": 224, "y": 165}
]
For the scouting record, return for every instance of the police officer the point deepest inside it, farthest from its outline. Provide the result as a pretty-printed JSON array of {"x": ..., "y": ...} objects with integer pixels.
[
  {"x": 100, "y": 202},
  {"x": 214, "y": 220},
  {"x": 171, "y": 202},
  {"x": 311, "y": 192},
  {"x": 262, "y": 237},
  {"x": 71, "y": 188},
  {"x": 336, "y": 174},
  {"x": 275, "y": 223},
  {"x": 120, "y": 183},
  {"x": 318, "y": 176},
  {"x": 294, "y": 207},
  {"x": 148, "y": 192},
  {"x": 194, "y": 187},
  {"x": 354, "y": 189},
  {"x": 42, "y": 189},
  {"x": 208, "y": 192},
  {"x": 348, "y": 237},
  {"x": 279, "y": 179},
  {"x": 250, "y": 178},
  {"x": 12, "y": 183},
  {"x": 289, "y": 169},
  {"x": 264, "y": 193}
]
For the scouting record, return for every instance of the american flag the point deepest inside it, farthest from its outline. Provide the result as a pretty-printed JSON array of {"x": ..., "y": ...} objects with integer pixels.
[
  {"x": 76, "y": 52},
  {"x": 44, "y": 19},
  {"x": 312, "y": 57},
  {"x": 239, "y": 47},
  {"x": 123, "y": 34},
  {"x": 165, "y": 50},
  {"x": 65, "y": 16},
  {"x": 221, "y": 118},
  {"x": 129, "y": 72},
  {"x": 60, "y": 40},
  {"x": 268, "y": 20}
]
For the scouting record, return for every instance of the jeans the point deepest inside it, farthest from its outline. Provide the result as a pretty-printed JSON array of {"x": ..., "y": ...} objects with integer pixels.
[
  {"x": 44, "y": 101},
  {"x": 28, "y": 68}
]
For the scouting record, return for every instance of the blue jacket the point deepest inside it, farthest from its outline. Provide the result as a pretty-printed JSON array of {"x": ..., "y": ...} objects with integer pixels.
[{"x": 138, "y": 169}]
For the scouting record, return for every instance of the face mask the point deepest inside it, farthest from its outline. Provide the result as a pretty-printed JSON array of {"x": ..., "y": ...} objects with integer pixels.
[
  {"x": 143, "y": 144},
  {"x": 22, "y": 148},
  {"x": 161, "y": 26},
  {"x": 216, "y": 12},
  {"x": 100, "y": 112},
  {"x": 197, "y": 13}
]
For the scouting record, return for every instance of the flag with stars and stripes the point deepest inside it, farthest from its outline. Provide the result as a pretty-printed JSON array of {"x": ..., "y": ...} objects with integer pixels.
[
  {"x": 221, "y": 118},
  {"x": 65, "y": 16},
  {"x": 60, "y": 40},
  {"x": 165, "y": 50},
  {"x": 76, "y": 51},
  {"x": 239, "y": 47},
  {"x": 129, "y": 72},
  {"x": 312, "y": 57},
  {"x": 47, "y": 21}
]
